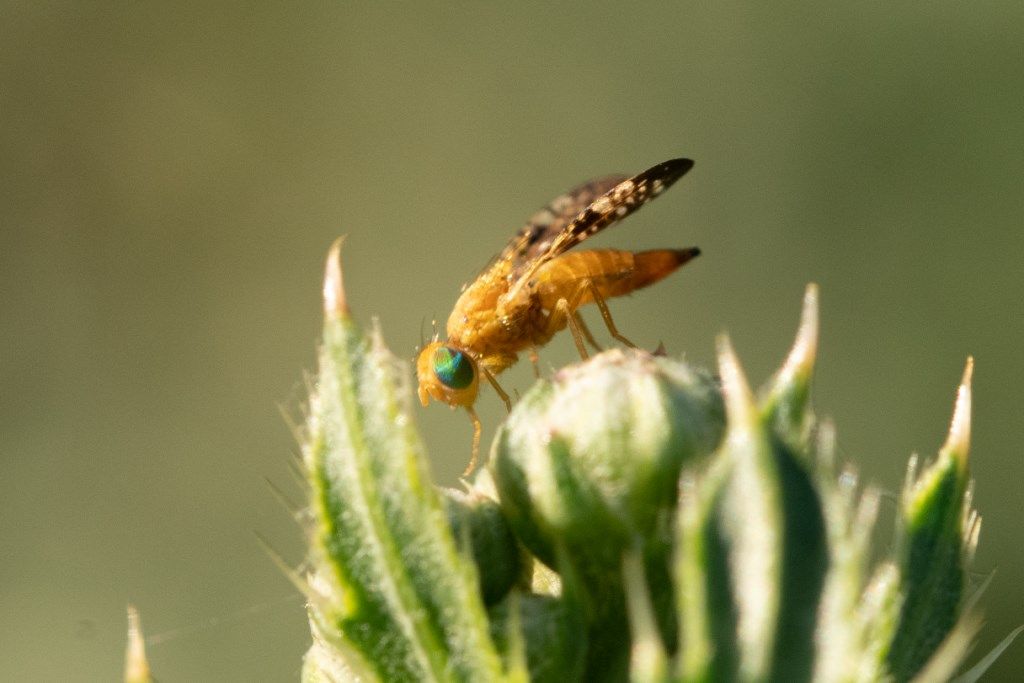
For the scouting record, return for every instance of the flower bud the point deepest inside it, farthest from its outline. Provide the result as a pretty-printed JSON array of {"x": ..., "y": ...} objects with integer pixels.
[
  {"x": 477, "y": 520},
  {"x": 591, "y": 459}
]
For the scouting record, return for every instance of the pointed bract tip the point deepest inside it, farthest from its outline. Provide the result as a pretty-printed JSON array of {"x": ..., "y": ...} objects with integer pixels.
[
  {"x": 335, "y": 303},
  {"x": 739, "y": 401},
  {"x": 136, "y": 666},
  {"x": 800, "y": 361},
  {"x": 807, "y": 336},
  {"x": 959, "y": 440},
  {"x": 965, "y": 380}
]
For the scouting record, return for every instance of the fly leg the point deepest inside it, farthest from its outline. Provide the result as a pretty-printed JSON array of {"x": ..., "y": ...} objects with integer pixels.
[
  {"x": 497, "y": 387},
  {"x": 606, "y": 315},
  {"x": 535, "y": 361},
  {"x": 476, "y": 441},
  {"x": 564, "y": 314},
  {"x": 586, "y": 331}
]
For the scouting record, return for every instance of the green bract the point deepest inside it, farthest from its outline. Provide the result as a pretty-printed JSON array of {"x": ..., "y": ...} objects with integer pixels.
[{"x": 645, "y": 522}]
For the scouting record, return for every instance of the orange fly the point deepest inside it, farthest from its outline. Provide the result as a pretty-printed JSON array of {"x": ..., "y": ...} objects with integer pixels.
[{"x": 533, "y": 289}]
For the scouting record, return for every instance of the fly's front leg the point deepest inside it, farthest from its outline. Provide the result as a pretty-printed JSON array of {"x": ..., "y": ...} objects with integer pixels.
[
  {"x": 497, "y": 387},
  {"x": 476, "y": 442},
  {"x": 606, "y": 315}
]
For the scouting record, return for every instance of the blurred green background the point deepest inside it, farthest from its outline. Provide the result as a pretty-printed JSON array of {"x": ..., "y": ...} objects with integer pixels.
[{"x": 171, "y": 175}]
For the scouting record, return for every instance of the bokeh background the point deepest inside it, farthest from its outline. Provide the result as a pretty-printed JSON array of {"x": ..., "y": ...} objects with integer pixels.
[{"x": 171, "y": 175}]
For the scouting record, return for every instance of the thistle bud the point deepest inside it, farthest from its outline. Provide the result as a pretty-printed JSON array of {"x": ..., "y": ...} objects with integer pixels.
[
  {"x": 587, "y": 469},
  {"x": 591, "y": 459},
  {"x": 477, "y": 522}
]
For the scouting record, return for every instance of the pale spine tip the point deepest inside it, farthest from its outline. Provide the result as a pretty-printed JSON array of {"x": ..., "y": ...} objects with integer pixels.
[
  {"x": 136, "y": 666},
  {"x": 959, "y": 440},
  {"x": 805, "y": 348},
  {"x": 739, "y": 401},
  {"x": 335, "y": 303}
]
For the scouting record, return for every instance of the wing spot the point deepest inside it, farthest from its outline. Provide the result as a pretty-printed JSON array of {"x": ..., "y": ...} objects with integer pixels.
[
  {"x": 602, "y": 205},
  {"x": 542, "y": 218},
  {"x": 560, "y": 204}
]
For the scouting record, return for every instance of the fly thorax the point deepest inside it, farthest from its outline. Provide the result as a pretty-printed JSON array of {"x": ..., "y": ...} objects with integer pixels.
[{"x": 511, "y": 303}]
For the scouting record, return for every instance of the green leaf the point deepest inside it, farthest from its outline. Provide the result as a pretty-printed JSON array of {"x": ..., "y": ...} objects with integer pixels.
[
  {"x": 648, "y": 659},
  {"x": 389, "y": 590},
  {"x": 708, "y": 614},
  {"x": 938, "y": 533},
  {"x": 762, "y": 518}
]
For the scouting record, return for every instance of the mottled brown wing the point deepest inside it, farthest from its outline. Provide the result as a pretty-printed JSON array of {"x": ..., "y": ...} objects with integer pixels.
[
  {"x": 543, "y": 227},
  {"x": 617, "y": 202}
]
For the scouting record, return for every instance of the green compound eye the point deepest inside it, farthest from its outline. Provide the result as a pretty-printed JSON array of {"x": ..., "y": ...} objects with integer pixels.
[{"x": 454, "y": 368}]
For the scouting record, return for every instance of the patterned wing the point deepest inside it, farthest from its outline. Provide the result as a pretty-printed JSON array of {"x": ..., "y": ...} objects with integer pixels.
[
  {"x": 543, "y": 227},
  {"x": 617, "y": 202}
]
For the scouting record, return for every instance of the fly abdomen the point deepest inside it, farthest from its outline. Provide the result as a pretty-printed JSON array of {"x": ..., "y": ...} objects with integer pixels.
[
  {"x": 613, "y": 273},
  {"x": 651, "y": 266}
]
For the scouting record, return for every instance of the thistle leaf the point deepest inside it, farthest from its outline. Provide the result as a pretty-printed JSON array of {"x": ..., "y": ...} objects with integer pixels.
[
  {"x": 708, "y": 614},
  {"x": 775, "y": 536},
  {"x": 937, "y": 536},
  {"x": 389, "y": 592},
  {"x": 648, "y": 660}
]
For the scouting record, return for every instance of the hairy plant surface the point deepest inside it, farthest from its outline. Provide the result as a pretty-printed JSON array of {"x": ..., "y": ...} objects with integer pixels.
[{"x": 638, "y": 519}]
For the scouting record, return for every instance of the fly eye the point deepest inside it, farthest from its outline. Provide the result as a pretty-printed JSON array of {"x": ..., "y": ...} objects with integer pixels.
[{"x": 454, "y": 368}]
